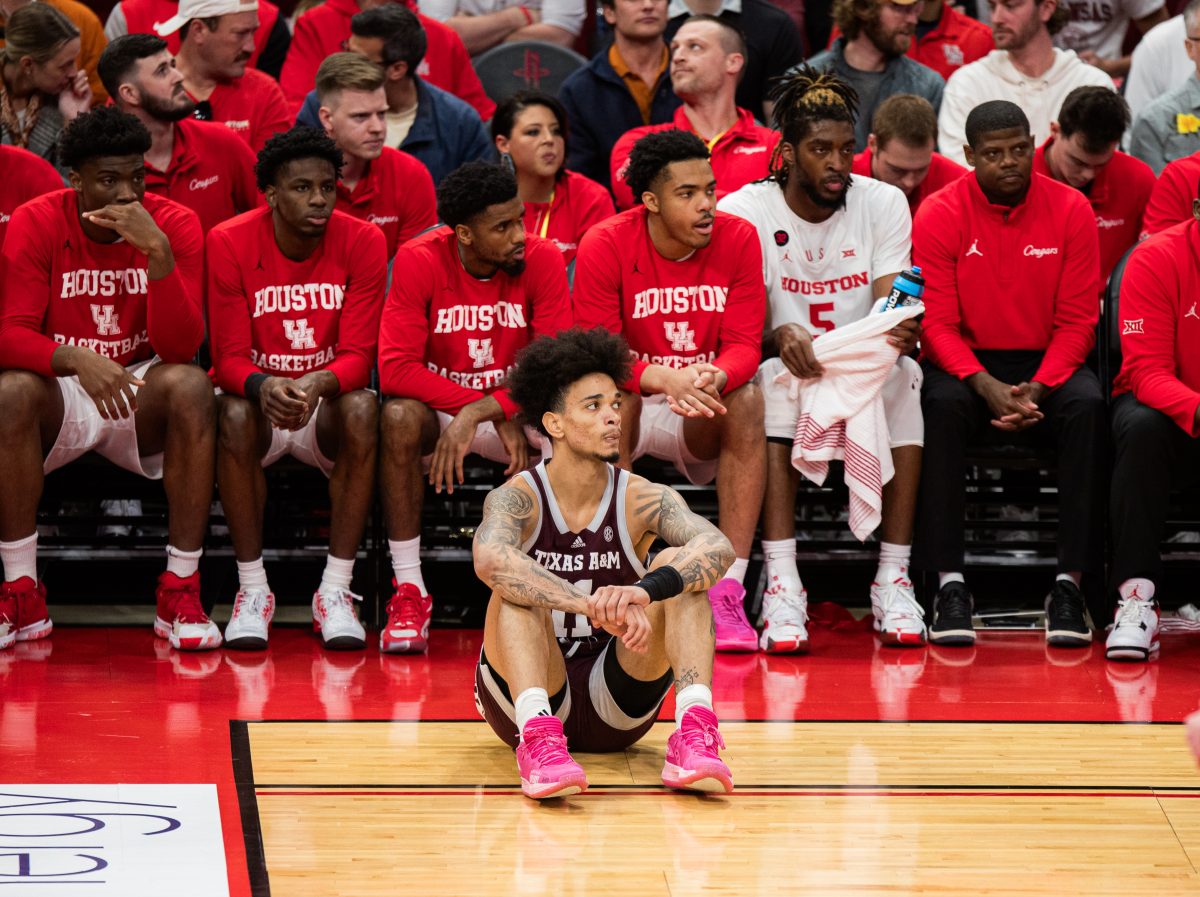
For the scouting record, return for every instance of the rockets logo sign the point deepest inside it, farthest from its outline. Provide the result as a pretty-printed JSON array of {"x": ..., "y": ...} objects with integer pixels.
[{"x": 106, "y": 320}]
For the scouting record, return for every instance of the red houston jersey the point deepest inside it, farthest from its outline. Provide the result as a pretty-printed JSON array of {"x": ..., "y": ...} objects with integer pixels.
[
  {"x": 251, "y": 106},
  {"x": 1173, "y": 194},
  {"x": 63, "y": 288},
  {"x": 142, "y": 15},
  {"x": 25, "y": 176},
  {"x": 1118, "y": 195},
  {"x": 708, "y": 307},
  {"x": 447, "y": 338},
  {"x": 271, "y": 315},
  {"x": 942, "y": 171},
  {"x": 396, "y": 195},
  {"x": 211, "y": 172},
  {"x": 575, "y": 205}
]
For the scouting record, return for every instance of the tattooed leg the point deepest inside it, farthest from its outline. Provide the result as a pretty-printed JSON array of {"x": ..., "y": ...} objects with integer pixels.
[{"x": 520, "y": 646}]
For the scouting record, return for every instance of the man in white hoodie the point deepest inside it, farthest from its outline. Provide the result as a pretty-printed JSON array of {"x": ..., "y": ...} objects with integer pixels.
[{"x": 1025, "y": 68}]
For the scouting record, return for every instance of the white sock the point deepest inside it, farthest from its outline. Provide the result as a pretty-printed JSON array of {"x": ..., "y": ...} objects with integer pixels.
[
  {"x": 530, "y": 703},
  {"x": 1142, "y": 589},
  {"x": 893, "y": 562},
  {"x": 737, "y": 570},
  {"x": 406, "y": 562},
  {"x": 781, "y": 561},
  {"x": 337, "y": 575},
  {"x": 944, "y": 578},
  {"x": 252, "y": 575},
  {"x": 692, "y": 696},
  {"x": 1069, "y": 577},
  {"x": 19, "y": 558},
  {"x": 183, "y": 563}
]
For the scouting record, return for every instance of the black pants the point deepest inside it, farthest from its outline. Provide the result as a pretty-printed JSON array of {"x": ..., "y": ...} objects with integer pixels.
[
  {"x": 956, "y": 418},
  {"x": 1152, "y": 456}
]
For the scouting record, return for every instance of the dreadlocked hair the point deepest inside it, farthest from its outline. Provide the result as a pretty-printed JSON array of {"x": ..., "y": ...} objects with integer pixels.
[{"x": 803, "y": 97}]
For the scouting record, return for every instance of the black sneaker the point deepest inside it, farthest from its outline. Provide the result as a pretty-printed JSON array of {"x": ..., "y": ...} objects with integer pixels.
[
  {"x": 1066, "y": 625},
  {"x": 952, "y": 609}
]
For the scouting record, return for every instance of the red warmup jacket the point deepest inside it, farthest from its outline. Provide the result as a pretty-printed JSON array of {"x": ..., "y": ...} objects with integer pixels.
[
  {"x": 1008, "y": 278},
  {"x": 325, "y": 29},
  {"x": 251, "y": 106},
  {"x": 1160, "y": 325},
  {"x": 740, "y": 155},
  {"x": 61, "y": 288},
  {"x": 708, "y": 307},
  {"x": 25, "y": 176},
  {"x": 942, "y": 171},
  {"x": 1173, "y": 194},
  {"x": 270, "y": 315},
  {"x": 576, "y": 204},
  {"x": 211, "y": 172},
  {"x": 448, "y": 339},
  {"x": 142, "y": 15},
  {"x": 1118, "y": 196},
  {"x": 396, "y": 194}
]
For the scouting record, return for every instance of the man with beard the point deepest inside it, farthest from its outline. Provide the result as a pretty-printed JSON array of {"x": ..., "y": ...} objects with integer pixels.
[
  {"x": 201, "y": 165},
  {"x": 683, "y": 283},
  {"x": 708, "y": 56},
  {"x": 1012, "y": 269},
  {"x": 465, "y": 298},
  {"x": 1025, "y": 68},
  {"x": 869, "y": 57},
  {"x": 833, "y": 242}
]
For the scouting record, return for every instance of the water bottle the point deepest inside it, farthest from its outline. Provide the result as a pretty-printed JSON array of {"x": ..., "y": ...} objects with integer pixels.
[{"x": 907, "y": 289}]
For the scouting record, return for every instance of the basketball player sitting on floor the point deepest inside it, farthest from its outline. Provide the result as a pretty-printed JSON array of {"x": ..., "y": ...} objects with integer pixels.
[{"x": 564, "y": 548}]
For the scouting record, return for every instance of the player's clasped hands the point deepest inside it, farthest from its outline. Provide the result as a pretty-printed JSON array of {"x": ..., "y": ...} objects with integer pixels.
[
  {"x": 1013, "y": 408},
  {"x": 285, "y": 403},
  {"x": 621, "y": 611},
  {"x": 695, "y": 391}
]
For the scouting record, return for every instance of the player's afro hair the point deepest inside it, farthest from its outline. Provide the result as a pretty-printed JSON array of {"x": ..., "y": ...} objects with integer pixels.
[
  {"x": 105, "y": 131},
  {"x": 546, "y": 368},
  {"x": 652, "y": 154},
  {"x": 298, "y": 143},
  {"x": 471, "y": 188}
]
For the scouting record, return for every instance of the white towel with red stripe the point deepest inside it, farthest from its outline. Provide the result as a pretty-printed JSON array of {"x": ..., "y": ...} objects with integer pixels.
[{"x": 841, "y": 412}]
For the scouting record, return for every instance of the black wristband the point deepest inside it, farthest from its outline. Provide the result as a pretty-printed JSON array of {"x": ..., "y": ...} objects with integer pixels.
[
  {"x": 661, "y": 584},
  {"x": 253, "y": 385}
]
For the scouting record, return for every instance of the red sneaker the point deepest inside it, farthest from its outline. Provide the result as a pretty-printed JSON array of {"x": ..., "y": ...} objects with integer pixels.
[
  {"x": 408, "y": 616},
  {"x": 181, "y": 618},
  {"x": 26, "y": 603},
  {"x": 8, "y": 620}
]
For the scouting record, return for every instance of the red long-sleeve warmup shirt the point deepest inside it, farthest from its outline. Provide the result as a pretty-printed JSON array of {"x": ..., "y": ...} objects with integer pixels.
[
  {"x": 1173, "y": 194},
  {"x": 448, "y": 339},
  {"x": 25, "y": 177},
  {"x": 270, "y": 315},
  {"x": 1015, "y": 278},
  {"x": 577, "y": 204},
  {"x": 63, "y": 288},
  {"x": 1160, "y": 324},
  {"x": 396, "y": 195},
  {"x": 708, "y": 307}
]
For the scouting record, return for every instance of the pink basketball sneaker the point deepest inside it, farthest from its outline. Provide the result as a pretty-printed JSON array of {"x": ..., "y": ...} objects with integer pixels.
[
  {"x": 546, "y": 768},
  {"x": 692, "y": 760},
  {"x": 733, "y": 630}
]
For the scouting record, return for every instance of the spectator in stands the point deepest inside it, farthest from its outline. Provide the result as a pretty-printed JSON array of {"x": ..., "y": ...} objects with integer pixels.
[
  {"x": 1096, "y": 30},
  {"x": 772, "y": 43},
  {"x": 41, "y": 90},
  {"x": 102, "y": 316},
  {"x": 621, "y": 89},
  {"x": 900, "y": 150},
  {"x": 1025, "y": 68},
  {"x": 379, "y": 184},
  {"x": 216, "y": 43},
  {"x": 482, "y": 24},
  {"x": 25, "y": 177},
  {"x": 1160, "y": 63},
  {"x": 1082, "y": 152},
  {"x": 199, "y": 164},
  {"x": 294, "y": 295},
  {"x": 707, "y": 58},
  {"x": 530, "y": 131},
  {"x": 1155, "y": 422},
  {"x": 271, "y": 39},
  {"x": 474, "y": 293},
  {"x": 1173, "y": 195},
  {"x": 425, "y": 121},
  {"x": 947, "y": 38},
  {"x": 327, "y": 28},
  {"x": 683, "y": 283},
  {"x": 1169, "y": 127},
  {"x": 813, "y": 199},
  {"x": 1011, "y": 265},
  {"x": 91, "y": 37},
  {"x": 870, "y": 57}
]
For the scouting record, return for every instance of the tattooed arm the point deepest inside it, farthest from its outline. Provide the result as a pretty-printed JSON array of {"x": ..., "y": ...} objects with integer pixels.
[
  {"x": 704, "y": 553},
  {"x": 509, "y": 515}
]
